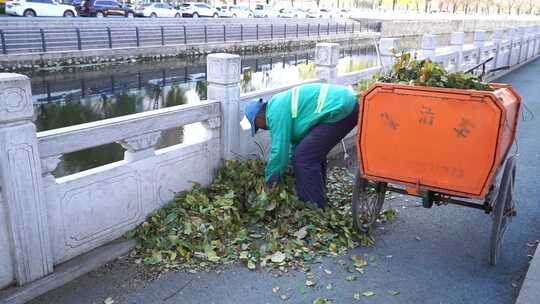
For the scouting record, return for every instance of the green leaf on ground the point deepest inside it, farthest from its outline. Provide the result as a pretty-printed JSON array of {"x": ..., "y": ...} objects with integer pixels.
[
  {"x": 108, "y": 300},
  {"x": 351, "y": 278},
  {"x": 322, "y": 301},
  {"x": 368, "y": 293},
  {"x": 277, "y": 257}
]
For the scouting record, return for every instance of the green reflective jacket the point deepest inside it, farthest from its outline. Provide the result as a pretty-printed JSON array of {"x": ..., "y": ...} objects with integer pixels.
[{"x": 291, "y": 114}]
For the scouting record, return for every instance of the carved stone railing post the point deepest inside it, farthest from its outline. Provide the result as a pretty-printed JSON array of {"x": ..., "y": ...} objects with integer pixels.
[
  {"x": 521, "y": 38},
  {"x": 429, "y": 46},
  {"x": 479, "y": 40},
  {"x": 140, "y": 146},
  {"x": 511, "y": 36},
  {"x": 537, "y": 39},
  {"x": 22, "y": 186},
  {"x": 525, "y": 35},
  {"x": 387, "y": 47},
  {"x": 531, "y": 37},
  {"x": 326, "y": 59},
  {"x": 497, "y": 40},
  {"x": 457, "y": 39},
  {"x": 223, "y": 75}
]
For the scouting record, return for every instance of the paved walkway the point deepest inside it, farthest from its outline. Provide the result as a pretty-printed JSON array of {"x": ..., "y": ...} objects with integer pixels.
[{"x": 437, "y": 255}]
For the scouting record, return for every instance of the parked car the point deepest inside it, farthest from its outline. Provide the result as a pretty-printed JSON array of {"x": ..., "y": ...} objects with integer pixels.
[
  {"x": 33, "y": 8},
  {"x": 318, "y": 13},
  {"x": 104, "y": 8},
  {"x": 265, "y": 11},
  {"x": 197, "y": 9},
  {"x": 242, "y": 12},
  {"x": 155, "y": 9},
  {"x": 224, "y": 11},
  {"x": 74, "y": 3},
  {"x": 340, "y": 13},
  {"x": 235, "y": 11},
  {"x": 292, "y": 13}
]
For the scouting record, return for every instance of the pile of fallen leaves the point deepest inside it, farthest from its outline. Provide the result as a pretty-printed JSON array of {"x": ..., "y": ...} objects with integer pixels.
[{"x": 234, "y": 219}]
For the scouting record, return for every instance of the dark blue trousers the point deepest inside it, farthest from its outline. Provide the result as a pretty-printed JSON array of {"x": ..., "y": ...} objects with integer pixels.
[{"x": 309, "y": 158}]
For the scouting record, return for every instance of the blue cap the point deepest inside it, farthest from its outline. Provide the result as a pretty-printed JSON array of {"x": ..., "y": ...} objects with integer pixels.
[{"x": 252, "y": 108}]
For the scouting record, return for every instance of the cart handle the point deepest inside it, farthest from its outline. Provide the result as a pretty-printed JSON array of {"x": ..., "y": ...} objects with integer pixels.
[{"x": 484, "y": 72}]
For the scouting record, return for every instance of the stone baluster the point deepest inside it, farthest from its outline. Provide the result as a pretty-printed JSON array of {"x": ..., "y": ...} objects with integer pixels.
[
  {"x": 497, "y": 40},
  {"x": 479, "y": 42},
  {"x": 213, "y": 126},
  {"x": 223, "y": 75},
  {"x": 521, "y": 38},
  {"x": 22, "y": 185},
  {"x": 48, "y": 165},
  {"x": 326, "y": 60},
  {"x": 511, "y": 36},
  {"x": 536, "y": 33},
  {"x": 429, "y": 46},
  {"x": 525, "y": 41},
  {"x": 387, "y": 47},
  {"x": 531, "y": 37},
  {"x": 537, "y": 51},
  {"x": 140, "y": 146},
  {"x": 457, "y": 39}
]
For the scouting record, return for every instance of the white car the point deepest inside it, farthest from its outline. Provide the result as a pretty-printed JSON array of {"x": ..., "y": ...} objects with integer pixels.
[
  {"x": 33, "y": 8},
  {"x": 340, "y": 13},
  {"x": 235, "y": 11},
  {"x": 156, "y": 10},
  {"x": 241, "y": 12},
  {"x": 318, "y": 13},
  {"x": 224, "y": 11},
  {"x": 265, "y": 11},
  {"x": 292, "y": 13},
  {"x": 198, "y": 9}
]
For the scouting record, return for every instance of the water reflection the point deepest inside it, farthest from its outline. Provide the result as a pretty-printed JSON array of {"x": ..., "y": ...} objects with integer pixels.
[
  {"x": 67, "y": 99},
  {"x": 75, "y": 111}
]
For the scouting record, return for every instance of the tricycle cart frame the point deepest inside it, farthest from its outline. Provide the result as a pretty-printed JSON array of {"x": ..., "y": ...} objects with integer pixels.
[
  {"x": 369, "y": 196},
  {"x": 476, "y": 172}
]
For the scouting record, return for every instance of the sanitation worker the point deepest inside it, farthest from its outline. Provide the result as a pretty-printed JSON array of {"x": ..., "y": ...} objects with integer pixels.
[{"x": 305, "y": 122}]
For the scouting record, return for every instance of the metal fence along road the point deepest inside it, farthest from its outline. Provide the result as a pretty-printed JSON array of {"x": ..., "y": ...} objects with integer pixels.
[{"x": 55, "y": 39}]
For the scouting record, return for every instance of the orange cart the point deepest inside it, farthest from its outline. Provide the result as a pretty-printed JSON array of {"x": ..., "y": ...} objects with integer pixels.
[{"x": 445, "y": 146}]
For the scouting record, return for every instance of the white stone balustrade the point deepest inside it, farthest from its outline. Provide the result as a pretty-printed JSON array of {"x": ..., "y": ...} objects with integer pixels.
[
  {"x": 326, "y": 59},
  {"x": 22, "y": 184},
  {"x": 429, "y": 46},
  {"x": 387, "y": 49},
  {"x": 52, "y": 220}
]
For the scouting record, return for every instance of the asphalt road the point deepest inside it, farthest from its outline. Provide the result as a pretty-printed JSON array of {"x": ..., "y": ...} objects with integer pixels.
[{"x": 437, "y": 255}]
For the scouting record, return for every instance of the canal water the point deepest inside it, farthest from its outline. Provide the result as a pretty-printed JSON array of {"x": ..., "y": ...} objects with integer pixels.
[{"x": 69, "y": 97}]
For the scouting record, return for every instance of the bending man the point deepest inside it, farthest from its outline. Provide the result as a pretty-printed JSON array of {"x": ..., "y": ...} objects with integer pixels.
[{"x": 309, "y": 120}]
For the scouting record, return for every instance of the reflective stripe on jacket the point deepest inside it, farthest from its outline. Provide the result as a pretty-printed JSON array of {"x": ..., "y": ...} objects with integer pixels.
[{"x": 291, "y": 114}]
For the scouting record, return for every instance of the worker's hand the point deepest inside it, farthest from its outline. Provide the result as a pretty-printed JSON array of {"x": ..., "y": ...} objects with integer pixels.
[{"x": 274, "y": 179}]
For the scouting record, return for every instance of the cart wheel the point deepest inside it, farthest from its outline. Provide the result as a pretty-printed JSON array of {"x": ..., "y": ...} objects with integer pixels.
[
  {"x": 367, "y": 202},
  {"x": 503, "y": 208}
]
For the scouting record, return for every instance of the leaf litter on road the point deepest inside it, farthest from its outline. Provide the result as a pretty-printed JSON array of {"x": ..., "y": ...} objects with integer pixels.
[
  {"x": 368, "y": 293},
  {"x": 322, "y": 301},
  {"x": 233, "y": 220},
  {"x": 393, "y": 292}
]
